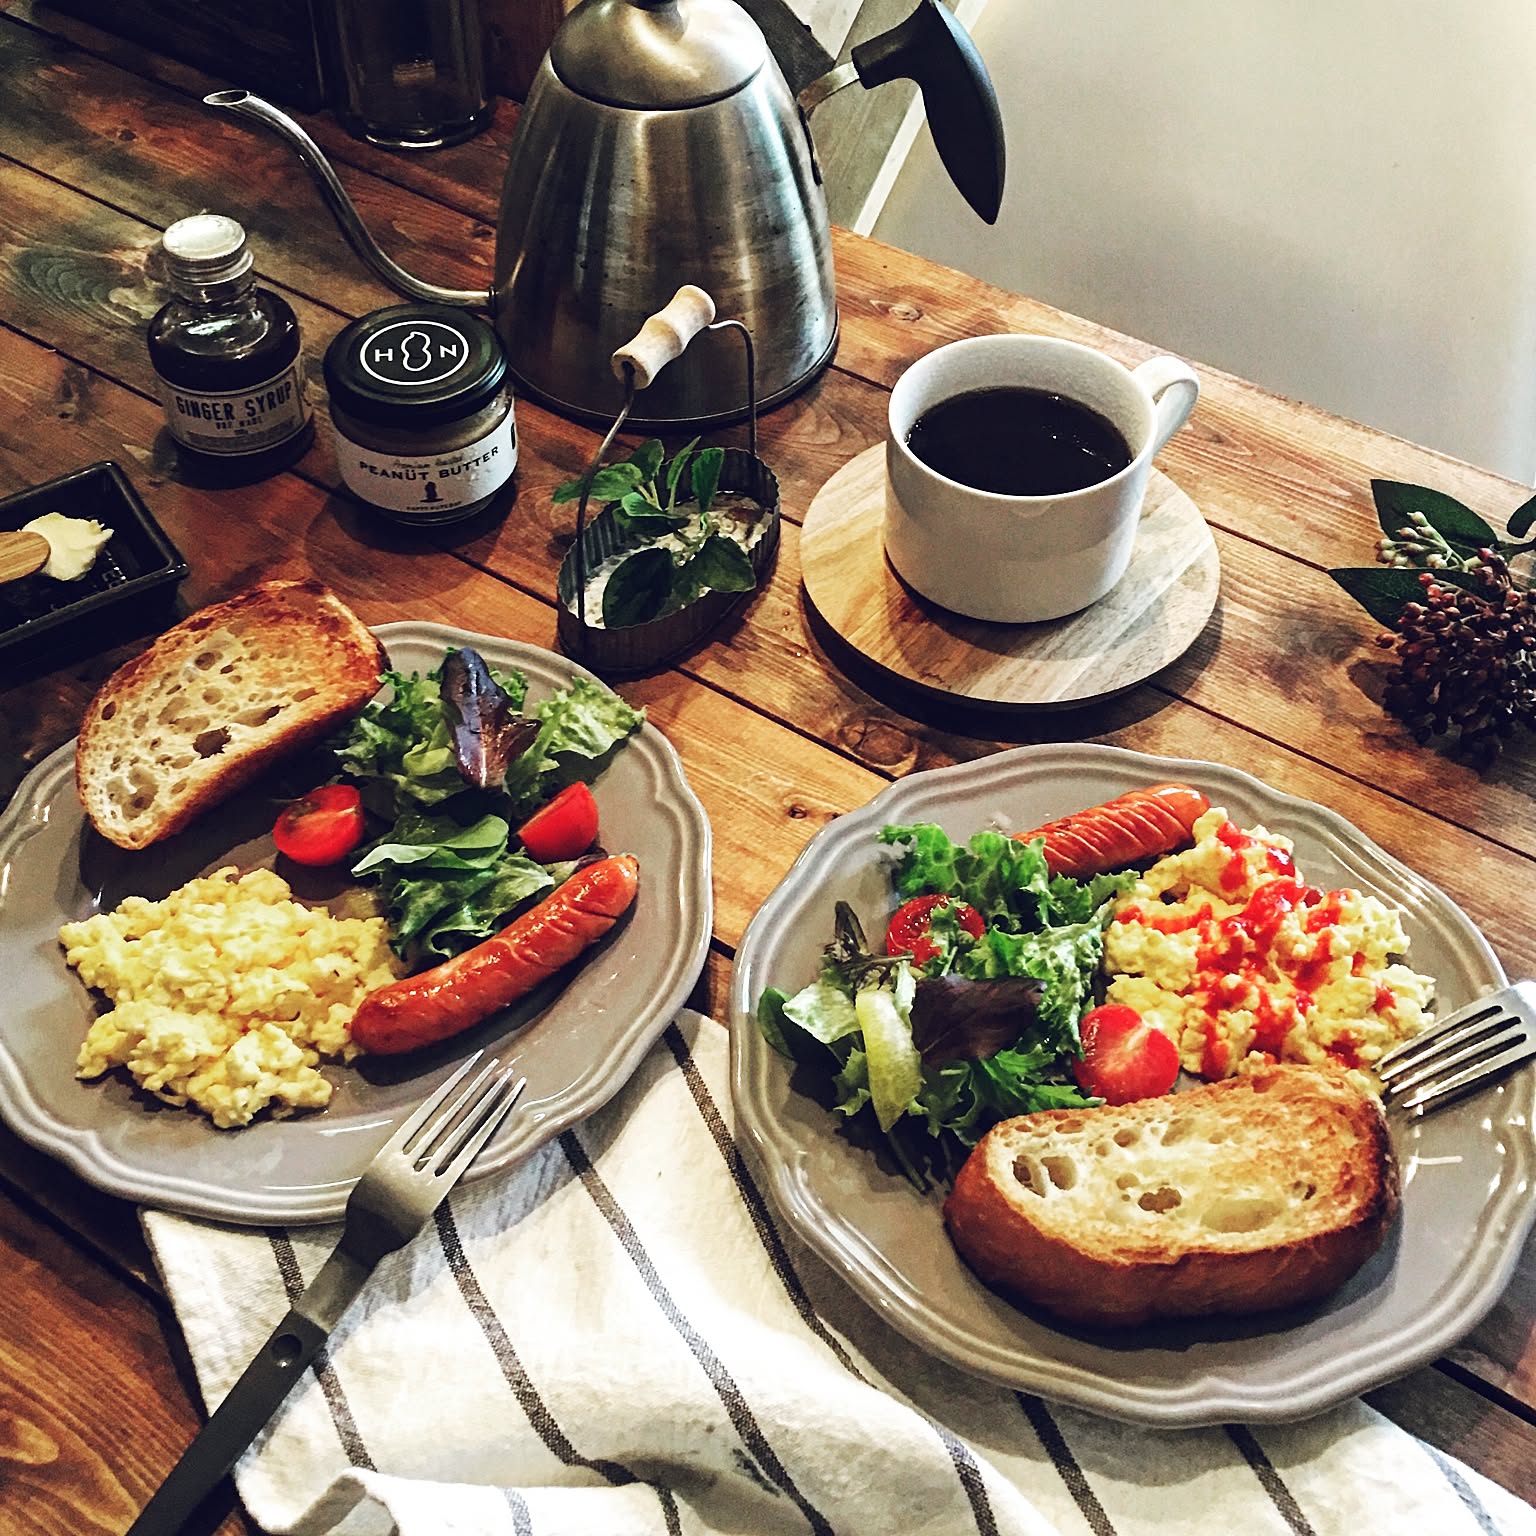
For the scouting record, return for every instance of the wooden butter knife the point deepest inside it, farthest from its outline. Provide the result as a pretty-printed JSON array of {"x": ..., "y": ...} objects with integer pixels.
[{"x": 21, "y": 554}]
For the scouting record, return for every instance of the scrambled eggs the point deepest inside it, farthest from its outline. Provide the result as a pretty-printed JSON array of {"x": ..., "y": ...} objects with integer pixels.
[
  {"x": 227, "y": 993},
  {"x": 1229, "y": 952}
]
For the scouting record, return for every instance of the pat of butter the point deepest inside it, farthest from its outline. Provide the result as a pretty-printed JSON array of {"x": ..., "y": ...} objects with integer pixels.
[{"x": 73, "y": 543}]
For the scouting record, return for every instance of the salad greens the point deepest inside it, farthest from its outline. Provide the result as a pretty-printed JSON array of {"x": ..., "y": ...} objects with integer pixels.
[
  {"x": 447, "y": 873},
  {"x": 934, "y": 1054}
]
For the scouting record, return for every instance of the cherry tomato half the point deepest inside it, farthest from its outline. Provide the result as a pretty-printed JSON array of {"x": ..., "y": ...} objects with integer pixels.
[
  {"x": 909, "y": 927},
  {"x": 1124, "y": 1057},
  {"x": 563, "y": 829},
  {"x": 322, "y": 827}
]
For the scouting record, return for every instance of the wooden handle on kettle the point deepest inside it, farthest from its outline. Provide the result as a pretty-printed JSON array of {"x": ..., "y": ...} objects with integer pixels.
[{"x": 664, "y": 337}]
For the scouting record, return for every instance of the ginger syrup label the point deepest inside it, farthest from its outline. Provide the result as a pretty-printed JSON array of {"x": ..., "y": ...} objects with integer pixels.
[{"x": 237, "y": 421}]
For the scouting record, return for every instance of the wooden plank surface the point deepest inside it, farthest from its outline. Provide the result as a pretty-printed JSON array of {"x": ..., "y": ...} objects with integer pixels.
[
  {"x": 160, "y": 155},
  {"x": 278, "y": 46},
  {"x": 96, "y": 1397},
  {"x": 75, "y": 293},
  {"x": 1285, "y": 492},
  {"x": 466, "y": 176},
  {"x": 1284, "y": 682},
  {"x": 505, "y": 550},
  {"x": 871, "y": 745}
]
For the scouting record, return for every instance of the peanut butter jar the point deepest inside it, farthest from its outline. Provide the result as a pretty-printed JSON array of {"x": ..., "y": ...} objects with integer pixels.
[{"x": 422, "y": 413}]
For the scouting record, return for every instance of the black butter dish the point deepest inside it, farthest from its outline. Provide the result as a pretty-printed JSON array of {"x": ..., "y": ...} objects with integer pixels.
[{"x": 138, "y": 565}]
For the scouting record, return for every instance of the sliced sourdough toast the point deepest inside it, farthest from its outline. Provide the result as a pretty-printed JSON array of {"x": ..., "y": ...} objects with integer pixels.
[
  {"x": 1263, "y": 1191},
  {"x": 215, "y": 701}
]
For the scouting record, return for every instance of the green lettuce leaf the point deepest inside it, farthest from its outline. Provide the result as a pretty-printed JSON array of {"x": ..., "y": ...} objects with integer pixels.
[
  {"x": 579, "y": 725},
  {"x": 895, "y": 1069},
  {"x": 1005, "y": 880},
  {"x": 473, "y": 910},
  {"x": 447, "y": 887},
  {"x": 404, "y": 743},
  {"x": 1066, "y": 959},
  {"x": 437, "y": 845},
  {"x": 852, "y": 1083},
  {"x": 782, "y": 1033},
  {"x": 824, "y": 1010}
]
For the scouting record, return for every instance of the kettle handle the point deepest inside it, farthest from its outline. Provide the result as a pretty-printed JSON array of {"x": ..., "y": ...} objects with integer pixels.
[
  {"x": 665, "y": 335},
  {"x": 933, "y": 49}
]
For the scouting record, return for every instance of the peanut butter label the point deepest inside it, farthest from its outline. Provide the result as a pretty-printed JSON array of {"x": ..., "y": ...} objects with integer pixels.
[
  {"x": 237, "y": 421},
  {"x": 430, "y": 485}
]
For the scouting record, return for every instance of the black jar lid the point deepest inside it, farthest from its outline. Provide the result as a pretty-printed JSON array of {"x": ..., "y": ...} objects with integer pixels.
[{"x": 414, "y": 365}]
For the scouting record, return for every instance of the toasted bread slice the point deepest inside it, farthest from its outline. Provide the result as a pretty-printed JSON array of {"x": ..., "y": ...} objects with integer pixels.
[
  {"x": 1262, "y": 1191},
  {"x": 216, "y": 700}
]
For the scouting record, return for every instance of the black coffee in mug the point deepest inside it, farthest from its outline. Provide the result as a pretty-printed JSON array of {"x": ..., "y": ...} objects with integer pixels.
[{"x": 1017, "y": 441}]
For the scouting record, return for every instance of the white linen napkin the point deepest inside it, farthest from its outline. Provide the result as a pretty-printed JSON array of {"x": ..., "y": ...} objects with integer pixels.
[{"x": 617, "y": 1337}]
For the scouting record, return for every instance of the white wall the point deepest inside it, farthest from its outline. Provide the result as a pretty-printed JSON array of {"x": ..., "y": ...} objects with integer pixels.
[{"x": 1335, "y": 198}]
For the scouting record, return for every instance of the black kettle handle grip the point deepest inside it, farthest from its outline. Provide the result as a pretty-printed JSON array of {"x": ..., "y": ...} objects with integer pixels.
[{"x": 933, "y": 49}]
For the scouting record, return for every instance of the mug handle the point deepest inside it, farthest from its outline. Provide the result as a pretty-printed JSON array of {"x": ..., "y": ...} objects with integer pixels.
[{"x": 1174, "y": 387}]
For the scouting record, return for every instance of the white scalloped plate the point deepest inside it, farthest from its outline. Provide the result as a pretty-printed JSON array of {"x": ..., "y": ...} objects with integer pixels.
[
  {"x": 576, "y": 1052},
  {"x": 1467, "y": 1171}
]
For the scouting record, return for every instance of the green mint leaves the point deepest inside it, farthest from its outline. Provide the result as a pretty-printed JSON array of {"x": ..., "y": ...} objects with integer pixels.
[{"x": 665, "y": 503}]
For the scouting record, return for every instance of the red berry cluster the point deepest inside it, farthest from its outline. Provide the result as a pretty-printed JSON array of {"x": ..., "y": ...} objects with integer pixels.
[{"x": 1466, "y": 661}]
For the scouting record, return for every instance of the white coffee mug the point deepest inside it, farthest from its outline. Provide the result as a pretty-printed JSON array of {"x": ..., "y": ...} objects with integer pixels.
[{"x": 1018, "y": 559}]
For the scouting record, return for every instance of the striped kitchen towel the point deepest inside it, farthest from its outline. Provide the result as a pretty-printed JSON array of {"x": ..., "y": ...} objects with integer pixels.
[{"x": 618, "y": 1339}]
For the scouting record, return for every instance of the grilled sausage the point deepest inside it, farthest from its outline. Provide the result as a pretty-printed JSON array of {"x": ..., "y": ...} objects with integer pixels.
[
  {"x": 423, "y": 1009},
  {"x": 1139, "y": 825}
]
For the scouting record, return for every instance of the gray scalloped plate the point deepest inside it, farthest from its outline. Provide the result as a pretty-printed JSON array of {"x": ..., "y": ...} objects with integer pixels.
[
  {"x": 577, "y": 1047},
  {"x": 1467, "y": 1171}
]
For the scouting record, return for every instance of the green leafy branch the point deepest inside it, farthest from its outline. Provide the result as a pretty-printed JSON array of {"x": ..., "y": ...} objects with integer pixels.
[
  {"x": 1427, "y": 530},
  {"x": 1462, "y": 626}
]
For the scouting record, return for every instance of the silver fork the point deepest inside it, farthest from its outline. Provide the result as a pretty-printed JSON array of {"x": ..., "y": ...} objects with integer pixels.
[
  {"x": 392, "y": 1201},
  {"x": 1461, "y": 1052}
]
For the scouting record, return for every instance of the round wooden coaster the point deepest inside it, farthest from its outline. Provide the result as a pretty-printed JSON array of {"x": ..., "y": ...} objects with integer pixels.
[{"x": 1150, "y": 619}]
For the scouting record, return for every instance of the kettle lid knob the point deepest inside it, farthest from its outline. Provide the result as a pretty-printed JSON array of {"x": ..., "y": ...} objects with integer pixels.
[{"x": 657, "y": 53}]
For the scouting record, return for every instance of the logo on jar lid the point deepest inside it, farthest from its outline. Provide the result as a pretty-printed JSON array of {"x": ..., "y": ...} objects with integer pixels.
[{"x": 414, "y": 352}]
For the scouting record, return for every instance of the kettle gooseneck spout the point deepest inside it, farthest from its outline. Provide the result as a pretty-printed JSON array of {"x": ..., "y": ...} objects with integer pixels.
[{"x": 253, "y": 108}]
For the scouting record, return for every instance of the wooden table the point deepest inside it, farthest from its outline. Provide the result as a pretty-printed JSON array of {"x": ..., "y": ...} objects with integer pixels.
[{"x": 104, "y": 145}]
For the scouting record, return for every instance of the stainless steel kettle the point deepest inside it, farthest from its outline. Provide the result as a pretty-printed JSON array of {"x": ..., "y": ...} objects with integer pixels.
[{"x": 660, "y": 143}]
